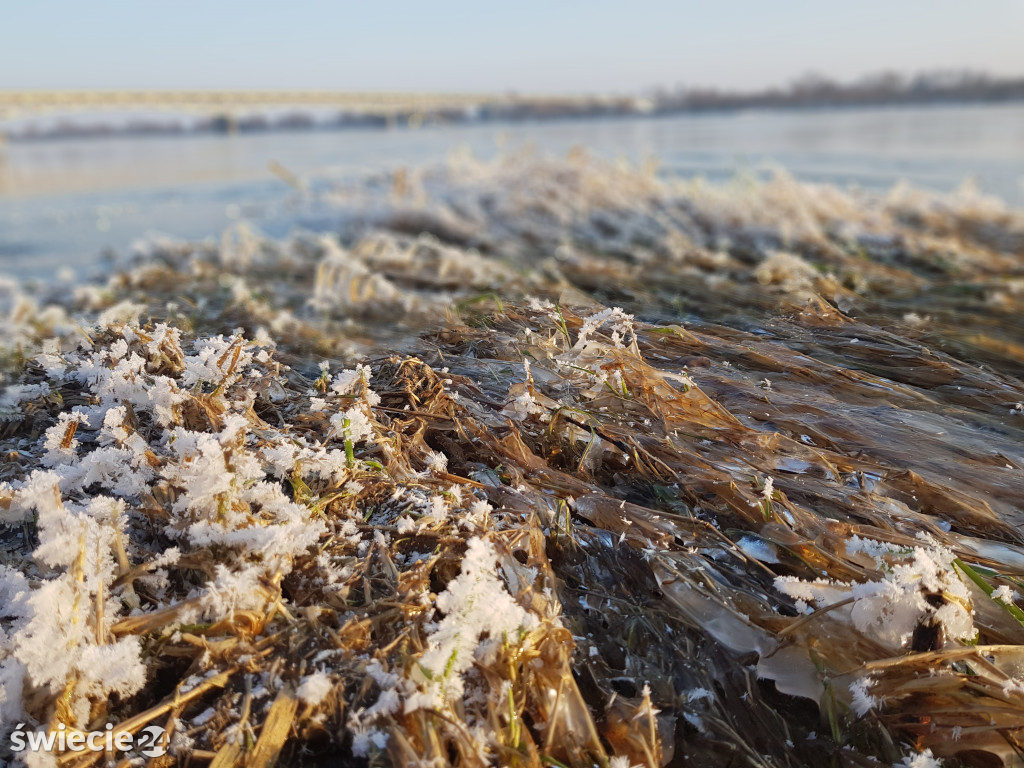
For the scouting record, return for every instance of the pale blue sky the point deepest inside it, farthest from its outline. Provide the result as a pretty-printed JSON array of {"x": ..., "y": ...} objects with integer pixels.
[{"x": 481, "y": 45}]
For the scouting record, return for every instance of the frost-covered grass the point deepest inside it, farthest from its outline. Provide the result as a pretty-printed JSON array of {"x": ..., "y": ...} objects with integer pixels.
[
  {"x": 602, "y": 470},
  {"x": 193, "y": 494}
]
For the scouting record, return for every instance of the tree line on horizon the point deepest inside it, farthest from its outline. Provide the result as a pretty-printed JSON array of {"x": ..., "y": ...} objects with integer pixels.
[{"x": 816, "y": 90}]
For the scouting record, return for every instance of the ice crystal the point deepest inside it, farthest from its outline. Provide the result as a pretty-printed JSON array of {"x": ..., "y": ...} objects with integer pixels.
[
  {"x": 478, "y": 613},
  {"x": 890, "y": 609},
  {"x": 314, "y": 688},
  {"x": 863, "y": 701},
  {"x": 919, "y": 760}
]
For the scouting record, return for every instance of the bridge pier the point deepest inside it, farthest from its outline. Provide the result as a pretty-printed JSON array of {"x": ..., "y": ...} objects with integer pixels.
[
  {"x": 5, "y": 179},
  {"x": 226, "y": 122}
]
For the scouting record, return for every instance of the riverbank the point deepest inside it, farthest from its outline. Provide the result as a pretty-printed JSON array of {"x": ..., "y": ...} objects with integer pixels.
[{"x": 531, "y": 460}]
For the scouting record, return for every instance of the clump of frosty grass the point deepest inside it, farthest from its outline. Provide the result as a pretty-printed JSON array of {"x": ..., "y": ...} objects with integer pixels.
[
  {"x": 478, "y": 496},
  {"x": 198, "y": 513}
]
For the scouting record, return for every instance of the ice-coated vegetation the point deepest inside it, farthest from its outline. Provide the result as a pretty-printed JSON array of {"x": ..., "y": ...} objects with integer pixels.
[
  {"x": 529, "y": 462},
  {"x": 919, "y": 588}
]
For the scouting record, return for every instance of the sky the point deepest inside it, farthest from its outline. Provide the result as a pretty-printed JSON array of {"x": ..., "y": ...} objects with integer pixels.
[{"x": 529, "y": 46}]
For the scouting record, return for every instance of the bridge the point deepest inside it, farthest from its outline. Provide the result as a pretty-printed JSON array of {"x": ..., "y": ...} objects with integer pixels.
[
  {"x": 231, "y": 109},
  {"x": 230, "y": 104}
]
